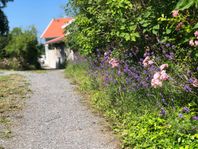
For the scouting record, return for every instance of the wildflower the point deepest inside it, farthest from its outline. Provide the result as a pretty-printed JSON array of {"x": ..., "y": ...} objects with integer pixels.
[
  {"x": 196, "y": 42},
  {"x": 147, "y": 61},
  {"x": 170, "y": 55},
  {"x": 187, "y": 88},
  {"x": 191, "y": 43},
  {"x": 156, "y": 83},
  {"x": 126, "y": 69},
  {"x": 191, "y": 80},
  {"x": 196, "y": 33},
  {"x": 162, "y": 112},
  {"x": 158, "y": 78},
  {"x": 195, "y": 117},
  {"x": 114, "y": 63},
  {"x": 164, "y": 75},
  {"x": 195, "y": 83},
  {"x": 185, "y": 110},
  {"x": 180, "y": 115},
  {"x": 156, "y": 75},
  {"x": 175, "y": 13},
  {"x": 168, "y": 45},
  {"x": 164, "y": 101},
  {"x": 163, "y": 66}
]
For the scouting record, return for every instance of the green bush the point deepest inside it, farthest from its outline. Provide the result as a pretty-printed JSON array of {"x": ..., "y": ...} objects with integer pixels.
[
  {"x": 126, "y": 43},
  {"x": 23, "y": 46}
]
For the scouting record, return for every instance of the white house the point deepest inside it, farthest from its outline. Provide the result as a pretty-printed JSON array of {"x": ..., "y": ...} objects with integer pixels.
[{"x": 55, "y": 52}]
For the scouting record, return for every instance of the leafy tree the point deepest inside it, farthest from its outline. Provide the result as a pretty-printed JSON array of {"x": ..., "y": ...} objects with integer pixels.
[
  {"x": 4, "y": 28},
  {"x": 23, "y": 46},
  {"x": 3, "y": 24},
  {"x": 4, "y": 2}
]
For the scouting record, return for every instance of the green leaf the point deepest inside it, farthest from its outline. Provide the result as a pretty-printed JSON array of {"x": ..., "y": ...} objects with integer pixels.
[
  {"x": 156, "y": 27},
  {"x": 168, "y": 31},
  {"x": 154, "y": 32},
  {"x": 196, "y": 26},
  {"x": 185, "y": 4}
]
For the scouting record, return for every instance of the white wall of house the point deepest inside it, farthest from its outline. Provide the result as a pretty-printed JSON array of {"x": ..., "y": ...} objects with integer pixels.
[
  {"x": 54, "y": 57},
  {"x": 57, "y": 56}
]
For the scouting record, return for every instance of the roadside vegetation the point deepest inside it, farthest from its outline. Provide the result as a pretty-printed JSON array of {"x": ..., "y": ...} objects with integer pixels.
[
  {"x": 19, "y": 48},
  {"x": 139, "y": 67},
  {"x": 13, "y": 91}
]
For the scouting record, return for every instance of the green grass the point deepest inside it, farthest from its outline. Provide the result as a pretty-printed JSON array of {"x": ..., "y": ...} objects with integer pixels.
[{"x": 13, "y": 91}]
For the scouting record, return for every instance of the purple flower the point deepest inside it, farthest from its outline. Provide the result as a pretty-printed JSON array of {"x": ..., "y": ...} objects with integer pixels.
[
  {"x": 168, "y": 45},
  {"x": 126, "y": 69},
  {"x": 119, "y": 73},
  {"x": 185, "y": 110},
  {"x": 191, "y": 80},
  {"x": 164, "y": 101},
  {"x": 195, "y": 117},
  {"x": 173, "y": 46},
  {"x": 187, "y": 88},
  {"x": 170, "y": 55},
  {"x": 180, "y": 115},
  {"x": 162, "y": 112}
]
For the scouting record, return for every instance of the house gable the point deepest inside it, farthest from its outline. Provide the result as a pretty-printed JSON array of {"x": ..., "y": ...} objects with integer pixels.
[{"x": 54, "y": 29}]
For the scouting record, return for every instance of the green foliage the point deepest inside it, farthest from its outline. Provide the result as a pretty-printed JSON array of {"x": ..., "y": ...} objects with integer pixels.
[
  {"x": 4, "y": 41},
  {"x": 186, "y": 4},
  {"x": 141, "y": 28},
  {"x": 4, "y": 2},
  {"x": 3, "y": 23},
  {"x": 23, "y": 47},
  {"x": 135, "y": 117},
  {"x": 126, "y": 25},
  {"x": 4, "y": 28}
]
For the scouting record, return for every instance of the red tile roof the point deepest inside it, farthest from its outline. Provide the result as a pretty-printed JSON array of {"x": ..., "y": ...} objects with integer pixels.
[{"x": 55, "y": 29}]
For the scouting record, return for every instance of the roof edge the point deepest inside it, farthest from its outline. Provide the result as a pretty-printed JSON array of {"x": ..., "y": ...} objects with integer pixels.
[{"x": 46, "y": 28}]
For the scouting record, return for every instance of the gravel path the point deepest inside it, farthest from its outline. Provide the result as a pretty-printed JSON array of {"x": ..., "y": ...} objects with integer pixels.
[{"x": 55, "y": 118}]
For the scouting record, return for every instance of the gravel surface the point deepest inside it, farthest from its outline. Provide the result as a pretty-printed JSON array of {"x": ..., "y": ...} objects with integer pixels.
[{"x": 56, "y": 118}]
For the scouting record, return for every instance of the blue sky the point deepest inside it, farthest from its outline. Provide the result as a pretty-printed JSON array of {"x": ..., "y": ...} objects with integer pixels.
[{"x": 23, "y": 13}]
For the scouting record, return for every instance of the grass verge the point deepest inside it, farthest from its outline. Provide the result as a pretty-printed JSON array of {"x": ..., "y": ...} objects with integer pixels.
[
  {"x": 13, "y": 91},
  {"x": 134, "y": 117}
]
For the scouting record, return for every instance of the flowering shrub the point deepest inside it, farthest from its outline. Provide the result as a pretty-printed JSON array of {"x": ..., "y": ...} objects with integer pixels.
[{"x": 143, "y": 61}]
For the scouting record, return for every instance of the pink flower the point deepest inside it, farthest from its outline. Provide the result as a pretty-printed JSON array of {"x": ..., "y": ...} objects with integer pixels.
[
  {"x": 164, "y": 76},
  {"x": 146, "y": 59},
  {"x": 158, "y": 79},
  {"x": 150, "y": 62},
  {"x": 195, "y": 83},
  {"x": 114, "y": 63},
  {"x": 196, "y": 42},
  {"x": 191, "y": 43},
  {"x": 147, "y": 62},
  {"x": 156, "y": 83},
  {"x": 163, "y": 66},
  {"x": 196, "y": 33},
  {"x": 156, "y": 75},
  {"x": 175, "y": 13}
]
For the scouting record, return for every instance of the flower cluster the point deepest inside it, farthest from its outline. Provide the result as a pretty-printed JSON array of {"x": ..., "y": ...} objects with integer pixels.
[
  {"x": 194, "y": 43},
  {"x": 160, "y": 76}
]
